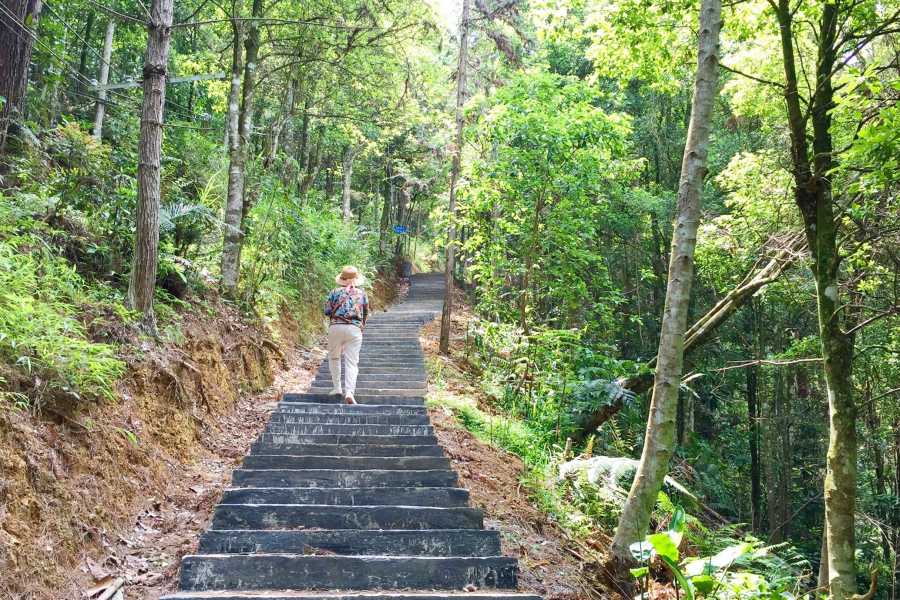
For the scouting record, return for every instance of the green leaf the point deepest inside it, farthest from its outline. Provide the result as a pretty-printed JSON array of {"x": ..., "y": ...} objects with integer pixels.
[
  {"x": 29, "y": 19},
  {"x": 664, "y": 546},
  {"x": 686, "y": 585},
  {"x": 722, "y": 559},
  {"x": 641, "y": 551},
  {"x": 676, "y": 526},
  {"x": 677, "y": 521},
  {"x": 704, "y": 584},
  {"x": 640, "y": 572}
]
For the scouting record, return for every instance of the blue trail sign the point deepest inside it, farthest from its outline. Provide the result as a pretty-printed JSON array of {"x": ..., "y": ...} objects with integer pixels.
[{"x": 400, "y": 229}]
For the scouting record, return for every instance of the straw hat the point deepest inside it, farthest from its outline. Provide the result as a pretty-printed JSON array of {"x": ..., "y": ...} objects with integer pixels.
[{"x": 349, "y": 275}]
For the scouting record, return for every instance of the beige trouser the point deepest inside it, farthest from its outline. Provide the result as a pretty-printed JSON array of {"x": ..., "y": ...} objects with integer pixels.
[{"x": 349, "y": 339}]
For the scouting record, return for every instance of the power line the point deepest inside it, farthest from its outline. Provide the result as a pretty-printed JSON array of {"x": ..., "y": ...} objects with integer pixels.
[
  {"x": 116, "y": 13},
  {"x": 82, "y": 40},
  {"x": 35, "y": 38},
  {"x": 63, "y": 63}
]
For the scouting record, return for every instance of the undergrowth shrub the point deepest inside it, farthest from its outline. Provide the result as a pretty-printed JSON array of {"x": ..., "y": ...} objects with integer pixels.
[{"x": 39, "y": 331}]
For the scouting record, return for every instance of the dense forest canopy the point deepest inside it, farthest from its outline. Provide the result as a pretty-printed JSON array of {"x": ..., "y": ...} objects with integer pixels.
[{"x": 154, "y": 153}]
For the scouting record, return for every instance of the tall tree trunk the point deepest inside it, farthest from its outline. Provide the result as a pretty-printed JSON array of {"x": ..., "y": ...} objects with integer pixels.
[
  {"x": 329, "y": 178},
  {"x": 660, "y": 434},
  {"x": 388, "y": 208},
  {"x": 450, "y": 266},
  {"x": 313, "y": 163},
  {"x": 347, "y": 158},
  {"x": 85, "y": 44},
  {"x": 142, "y": 285},
  {"x": 236, "y": 211},
  {"x": 100, "y": 108},
  {"x": 753, "y": 417},
  {"x": 290, "y": 161},
  {"x": 771, "y": 456},
  {"x": 822, "y": 582},
  {"x": 785, "y": 478},
  {"x": 813, "y": 196},
  {"x": 234, "y": 198},
  {"x": 16, "y": 30},
  {"x": 529, "y": 262},
  {"x": 304, "y": 155}
]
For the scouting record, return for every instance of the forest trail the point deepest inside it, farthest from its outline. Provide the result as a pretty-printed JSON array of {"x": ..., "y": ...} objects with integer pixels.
[{"x": 338, "y": 497}]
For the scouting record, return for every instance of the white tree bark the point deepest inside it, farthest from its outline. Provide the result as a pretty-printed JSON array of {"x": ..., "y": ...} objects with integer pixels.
[
  {"x": 234, "y": 197},
  {"x": 450, "y": 264},
  {"x": 660, "y": 434},
  {"x": 349, "y": 155},
  {"x": 100, "y": 109}
]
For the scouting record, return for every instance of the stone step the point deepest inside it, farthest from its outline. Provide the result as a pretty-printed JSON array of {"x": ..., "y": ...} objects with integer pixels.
[
  {"x": 293, "y": 516},
  {"x": 376, "y": 357},
  {"x": 384, "y": 363},
  {"x": 409, "y": 374},
  {"x": 324, "y": 385},
  {"x": 291, "y": 571},
  {"x": 343, "y": 596},
  {"x": 350, "y": 463},
  {"x": 258, "y": 448},
  {"x": 332, "y": 439},
  {"x": 349, "y": 409},
  {"x": 438, "y": 542},
  {"x": 406, "y": 374},
  {"x": 373, "y": 370},
  {"x": 326, "y": 429},
  {"x": 390, "y": 345},
  {"x": 350, "y": 418},
  {"x": 354, "y": 479},
  {"x": 405, "y": 496},
  {"x": 388, "y": 392},
  {"x": 381, "y": 399}
]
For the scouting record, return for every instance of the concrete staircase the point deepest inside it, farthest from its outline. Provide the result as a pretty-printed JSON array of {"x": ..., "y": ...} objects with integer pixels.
[{"x": 334, "y": 497}]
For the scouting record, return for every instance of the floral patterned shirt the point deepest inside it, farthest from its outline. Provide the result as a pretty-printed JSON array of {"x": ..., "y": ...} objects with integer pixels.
[{"x": 347, "y": 307}]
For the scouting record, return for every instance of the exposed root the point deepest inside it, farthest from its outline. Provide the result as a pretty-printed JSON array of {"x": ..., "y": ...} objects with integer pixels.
[{"x": 873, "y": 587}]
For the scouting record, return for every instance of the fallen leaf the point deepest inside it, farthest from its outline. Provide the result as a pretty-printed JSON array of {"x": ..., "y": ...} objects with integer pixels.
[
  {"x": 101, "y": 585},
  {"x": 96, "y": 570}
]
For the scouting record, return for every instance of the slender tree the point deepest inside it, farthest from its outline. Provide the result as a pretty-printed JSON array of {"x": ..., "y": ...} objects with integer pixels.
[
  {"x": 100, "y": 108},
  {"x": 236, "y": 204},
  {"x": 348, "y": 156},
  {"x": 660, "y": 434},
  {"x": 18, "y": 20},
  {"x": 450, "y": 265},
  {"x": 142, "y": 285},
  {"x": 813, "y": 197}
]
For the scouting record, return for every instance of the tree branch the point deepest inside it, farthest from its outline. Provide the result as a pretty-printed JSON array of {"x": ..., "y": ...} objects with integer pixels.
[
  {"x": 753, "y": 77},
  {"x": 776, "y": 363}
]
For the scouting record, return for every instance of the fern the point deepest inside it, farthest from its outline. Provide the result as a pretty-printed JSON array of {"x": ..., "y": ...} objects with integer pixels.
[
  {"x": 594, "y": 395},
  {"x": 606, "y": 472},
  {"x": 170, "y": 213}
]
